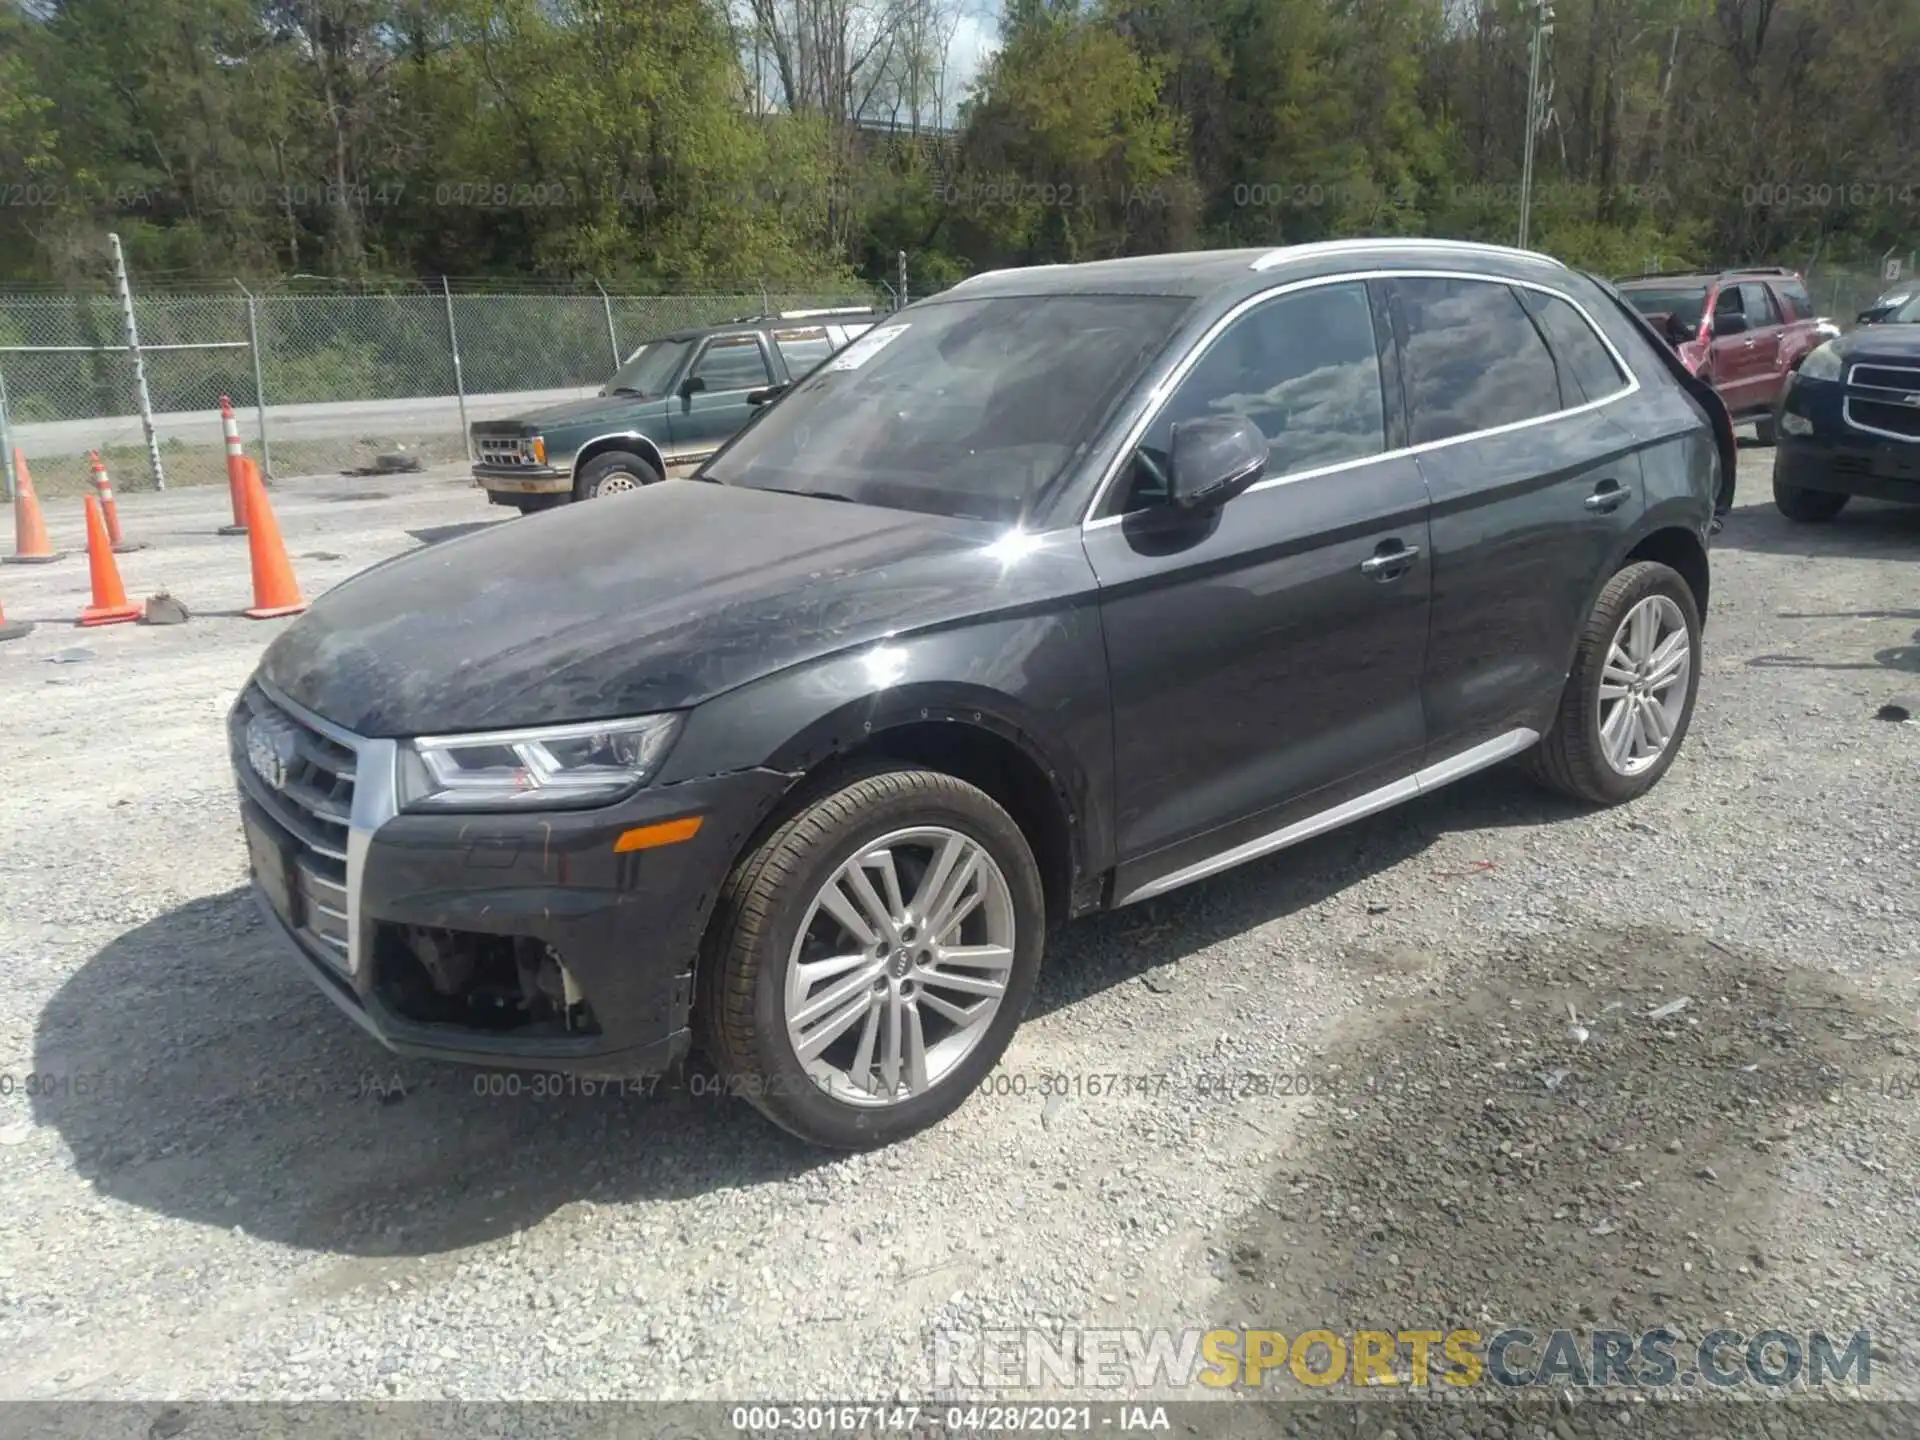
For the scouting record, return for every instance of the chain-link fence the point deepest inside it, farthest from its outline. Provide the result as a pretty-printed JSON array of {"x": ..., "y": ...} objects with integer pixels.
[
  {"x": 322, "y": 382},
  {"x": 1841, "y": 291}
]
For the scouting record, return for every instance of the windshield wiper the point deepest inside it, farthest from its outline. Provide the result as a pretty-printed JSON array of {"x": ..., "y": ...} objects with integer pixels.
[{"x": 814, "y": 494}]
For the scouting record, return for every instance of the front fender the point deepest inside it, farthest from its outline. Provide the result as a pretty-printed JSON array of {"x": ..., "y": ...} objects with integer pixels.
[{"x": 1036, "y": 679}]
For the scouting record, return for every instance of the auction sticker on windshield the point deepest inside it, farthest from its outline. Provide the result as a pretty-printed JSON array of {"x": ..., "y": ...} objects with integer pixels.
[{"x": 866, "y": 347}]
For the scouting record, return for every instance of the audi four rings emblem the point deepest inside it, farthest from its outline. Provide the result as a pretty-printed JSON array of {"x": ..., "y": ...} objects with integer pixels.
[{"x": 270, "y": 750}]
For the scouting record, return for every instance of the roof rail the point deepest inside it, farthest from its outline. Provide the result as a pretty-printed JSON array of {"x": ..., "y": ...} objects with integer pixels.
[
  {"x": 831, "y": 310},
  {"x": 1391, "y": 242}
]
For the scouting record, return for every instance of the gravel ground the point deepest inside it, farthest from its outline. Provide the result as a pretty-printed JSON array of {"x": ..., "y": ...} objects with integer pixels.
[{"x": 233, "y": 1194}]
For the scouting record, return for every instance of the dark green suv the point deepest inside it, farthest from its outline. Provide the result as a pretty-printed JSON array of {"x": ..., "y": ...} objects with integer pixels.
[{"x": 675, "y": 402}]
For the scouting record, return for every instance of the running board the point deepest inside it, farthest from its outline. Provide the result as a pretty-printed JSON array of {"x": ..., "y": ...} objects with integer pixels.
[{"x": 1421, "y": 782}]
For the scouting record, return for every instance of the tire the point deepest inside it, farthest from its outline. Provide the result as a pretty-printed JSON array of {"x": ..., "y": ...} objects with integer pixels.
[
  {"x": 617, "y": 472},
  {"x": 757, "y": 936},
  {"x": 1574, "y": 758},
  {"x": 1811, "y": 507},
  {"x": 534, "y": 504},
  {"x": 1764, "y": 431}
]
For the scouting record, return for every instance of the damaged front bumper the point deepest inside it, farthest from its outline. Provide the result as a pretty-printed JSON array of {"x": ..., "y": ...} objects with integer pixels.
[{"x": 521, "y": 940}]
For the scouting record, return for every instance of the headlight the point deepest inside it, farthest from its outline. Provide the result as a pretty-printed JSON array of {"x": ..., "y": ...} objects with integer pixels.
[
  {"x": 1822, "y": 363},
  {"x": 552, "y": 767}
]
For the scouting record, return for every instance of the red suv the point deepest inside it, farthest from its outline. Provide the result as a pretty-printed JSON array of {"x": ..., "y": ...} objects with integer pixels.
[{"x": 1742, "y": 331}]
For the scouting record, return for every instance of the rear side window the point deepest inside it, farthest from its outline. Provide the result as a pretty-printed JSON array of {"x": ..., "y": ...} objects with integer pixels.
[
  {"x": 1757, "y": 301},
  {"x": 1588, "y": 370},
  {"x": 733, "y": 364},
  {"x": 1472, "y": 359},
  {"x": 803, "y": 349}
]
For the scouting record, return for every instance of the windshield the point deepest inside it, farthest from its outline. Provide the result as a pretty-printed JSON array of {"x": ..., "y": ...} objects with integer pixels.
[
  {"x": 1906, "y": 312},
  {"x": 651, "y": 369},
  {"x": 1685, "y": 303},
  {"x": 966, "y": 408}
]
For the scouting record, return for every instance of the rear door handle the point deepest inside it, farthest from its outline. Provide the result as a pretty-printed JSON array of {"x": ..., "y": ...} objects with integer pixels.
[
  {"x": 1606, "y": 498},
  {"x": 1390, "y": 561}
]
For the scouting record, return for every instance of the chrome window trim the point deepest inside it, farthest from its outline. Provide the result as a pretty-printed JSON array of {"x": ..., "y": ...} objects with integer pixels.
[{"x": 1163, "y": 392}]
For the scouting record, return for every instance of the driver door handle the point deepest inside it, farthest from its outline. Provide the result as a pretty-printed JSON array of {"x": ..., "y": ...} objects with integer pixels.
[{"x": 1390, "y": 563}]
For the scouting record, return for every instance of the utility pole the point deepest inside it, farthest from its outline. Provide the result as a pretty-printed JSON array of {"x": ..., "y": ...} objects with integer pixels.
[{"x": 1542, "y": 27}]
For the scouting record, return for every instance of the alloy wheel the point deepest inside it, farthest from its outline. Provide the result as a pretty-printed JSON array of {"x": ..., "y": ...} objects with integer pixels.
[
  {"x": 899, "y": 965},
  {"x": 1644, "y": 684}
]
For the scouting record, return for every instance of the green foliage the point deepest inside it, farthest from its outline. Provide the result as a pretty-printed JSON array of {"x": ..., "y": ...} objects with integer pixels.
[{"x": 619, "y": 139}]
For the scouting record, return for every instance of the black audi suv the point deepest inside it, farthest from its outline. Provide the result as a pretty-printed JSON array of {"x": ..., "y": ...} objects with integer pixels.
[{"x": 1061, "y": 590}]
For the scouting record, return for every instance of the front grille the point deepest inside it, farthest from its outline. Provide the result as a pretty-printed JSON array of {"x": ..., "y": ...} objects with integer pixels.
[
  {"x": 1883, "y": 398},
  {"x": 311, "y": 805},
  {"x": 1884, "y": 417},
  {"x": 1903, "y": 378},
  {"x": 502, "y": 450}
]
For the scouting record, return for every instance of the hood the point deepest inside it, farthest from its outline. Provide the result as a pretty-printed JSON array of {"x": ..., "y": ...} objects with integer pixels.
[
  {"x": 651, "y": 601},
  {"x": 621, "y": 408},
  {"x": 1892, "y": 342}
]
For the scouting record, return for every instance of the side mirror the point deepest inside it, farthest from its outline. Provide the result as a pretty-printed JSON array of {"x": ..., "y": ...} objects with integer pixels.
[
  {"x": 692, "y": 386},
  {"x": 1728, "y": 324},
  {"x": 766, "y": 396},
  {"x": 1211, "y": 460}
]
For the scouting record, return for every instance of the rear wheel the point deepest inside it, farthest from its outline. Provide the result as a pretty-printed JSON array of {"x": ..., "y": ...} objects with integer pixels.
[
  {"x": 1630, "y": 695},
  {"x": 870, "y": 960},
  {"x": 618, "y": 472},
  {"x": 1796, "y": 502},
  {"x": 1764, "y": 432}
]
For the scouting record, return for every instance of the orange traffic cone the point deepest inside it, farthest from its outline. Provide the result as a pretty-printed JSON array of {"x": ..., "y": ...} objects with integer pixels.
[
  {"x": 104, "y": 487},
  {"x": 30, "y": 545},
  {"x": 236, "y": 470},
  {"x": 12, "y": 629},
  {"x": 110, "y": 605},
  {"x": 275, "y": 591}
]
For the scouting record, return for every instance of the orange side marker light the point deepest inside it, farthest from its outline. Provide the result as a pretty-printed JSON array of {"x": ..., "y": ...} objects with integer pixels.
[{"x": 666, "y": 832}]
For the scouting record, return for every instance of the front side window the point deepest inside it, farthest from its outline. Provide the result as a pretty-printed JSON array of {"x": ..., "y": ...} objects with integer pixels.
[
  {"x": 734, "y": 363},
  {"x": 1304, "y": 367},
  {"x": 1473, "y": 360},
  {"x": 1798, "y": 304},
  {"x": 968, "y": 408},
  {"x": 649, "y": 371}
]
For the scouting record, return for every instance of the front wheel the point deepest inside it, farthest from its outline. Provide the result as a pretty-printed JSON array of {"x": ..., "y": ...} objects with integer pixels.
[
  {"x": 870, "y": 960},
  {"x": 1796, "y": 502},
  {"x": 1630, "y": 695},
  {"x": 618, "y": 472}
]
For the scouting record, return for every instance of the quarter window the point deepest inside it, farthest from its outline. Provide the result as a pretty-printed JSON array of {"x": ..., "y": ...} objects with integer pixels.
[
  {"x": 1303, "y": 366},
  {"x": 803, "y": 349},
  {"x": 1588, "y": 370},
  {"x": 1473, "y": 360},
  {"x": 1798, "y": 304},
  {"x": 733, "y": 364}
]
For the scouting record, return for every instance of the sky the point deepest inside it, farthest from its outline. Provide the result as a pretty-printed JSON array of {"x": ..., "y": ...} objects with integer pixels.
[{"x": 974, "y": 40}]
